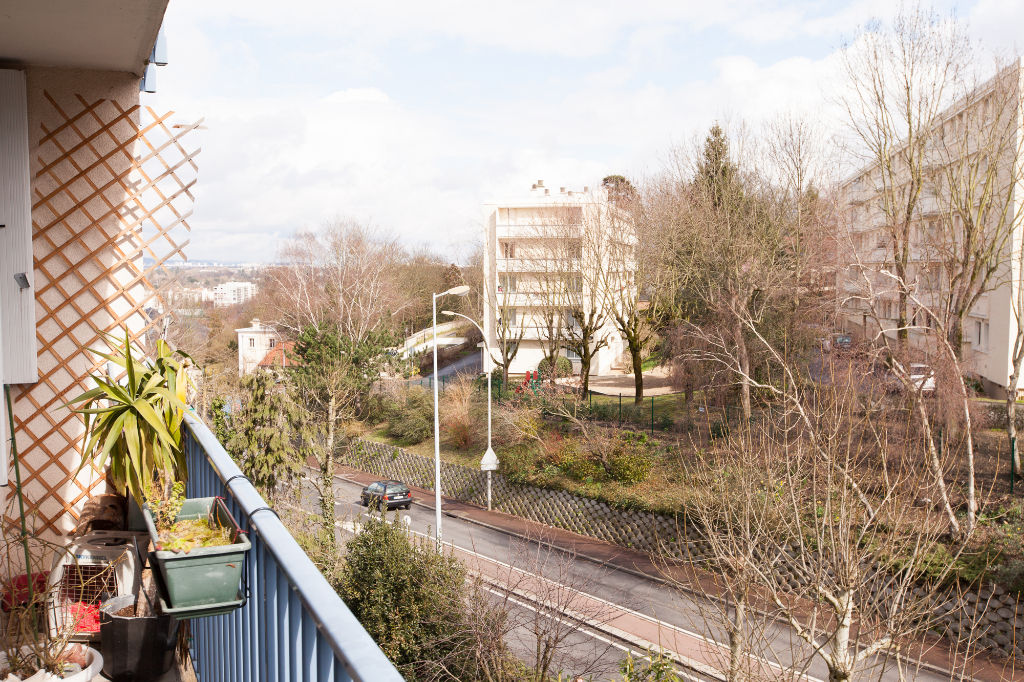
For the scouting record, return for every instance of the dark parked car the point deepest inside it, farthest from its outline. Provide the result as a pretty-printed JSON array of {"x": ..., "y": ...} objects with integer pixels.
[{"x": 390, "y": 494}]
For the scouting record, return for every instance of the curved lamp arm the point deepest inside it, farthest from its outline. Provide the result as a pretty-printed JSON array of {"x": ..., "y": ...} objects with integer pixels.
[{"x": 487, "y": 347}]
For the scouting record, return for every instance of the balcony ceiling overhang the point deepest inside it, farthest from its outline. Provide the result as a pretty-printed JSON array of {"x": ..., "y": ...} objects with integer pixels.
[{"x": 106, "y": 35}]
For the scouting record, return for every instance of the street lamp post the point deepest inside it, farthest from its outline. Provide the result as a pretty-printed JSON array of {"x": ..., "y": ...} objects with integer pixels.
[
  {"x": 454, "y": 291},
  {"x": 489, "y": 462}
]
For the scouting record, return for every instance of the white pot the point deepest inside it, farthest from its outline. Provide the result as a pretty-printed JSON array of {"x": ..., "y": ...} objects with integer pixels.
[{"x": 91, "y": 671}]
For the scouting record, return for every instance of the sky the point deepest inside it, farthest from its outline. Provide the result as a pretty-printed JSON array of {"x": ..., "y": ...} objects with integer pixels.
[{"x": 408, "y": 116}]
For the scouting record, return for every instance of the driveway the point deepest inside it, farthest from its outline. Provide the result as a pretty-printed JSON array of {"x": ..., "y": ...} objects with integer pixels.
[
  {"x": 471, "y": 364},
  {"x": 656, "y": 382}
]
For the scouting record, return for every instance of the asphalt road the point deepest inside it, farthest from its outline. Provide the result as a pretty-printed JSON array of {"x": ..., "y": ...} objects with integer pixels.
[{"x": 593, "y": 651}]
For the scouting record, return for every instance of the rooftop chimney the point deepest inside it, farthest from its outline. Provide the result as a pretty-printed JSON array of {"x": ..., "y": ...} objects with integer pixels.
[
  {"x": 534, "y": 187},
  {"x": 540, "y": 183},
  {"x": 255, "y": 322},
  {"x": 585, "y": 188},
  {"x": 547, "y": 192},
  {"x": 562, "y": 190}
]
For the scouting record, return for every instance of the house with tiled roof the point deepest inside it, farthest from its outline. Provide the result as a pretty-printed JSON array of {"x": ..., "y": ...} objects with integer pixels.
[{"x": 281, "y": 355}]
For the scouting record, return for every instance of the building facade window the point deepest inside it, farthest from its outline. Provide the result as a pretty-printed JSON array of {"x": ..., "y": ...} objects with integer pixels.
[
  {"x": 507, "y": 283},
  {"x": 252, "y": 342},
  {"x": 273, "y": 342}
]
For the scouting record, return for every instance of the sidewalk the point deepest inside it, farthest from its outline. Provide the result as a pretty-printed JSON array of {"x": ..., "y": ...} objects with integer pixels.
[{"x": 680, "y": 575}]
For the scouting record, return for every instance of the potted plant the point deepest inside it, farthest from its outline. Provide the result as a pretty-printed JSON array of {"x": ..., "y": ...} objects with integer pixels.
[
  {"x": 139, "y": 647},
  {"x": 135, "y": 424},
  {"x": 200, "y": 550},
  {"x": 29, "y": 646}
]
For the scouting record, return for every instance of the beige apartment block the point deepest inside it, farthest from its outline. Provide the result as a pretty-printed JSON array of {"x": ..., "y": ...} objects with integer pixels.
[
  {"x": 868, "y": 295},
  {"x": 548, "y": 253}
]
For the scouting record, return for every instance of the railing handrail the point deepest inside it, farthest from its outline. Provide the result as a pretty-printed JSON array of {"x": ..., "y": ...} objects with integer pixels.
[{"x": 351, "y": 643}]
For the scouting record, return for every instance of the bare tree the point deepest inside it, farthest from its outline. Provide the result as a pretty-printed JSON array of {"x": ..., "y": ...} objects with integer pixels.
[
  {"x": 632, "y": 280},
  {"x": 736, "y": 508},
  {"x": 342, "y": 274},
  {"x": 509, "y": 327},
  {"x": 793, "y": 535},
  {"x": 548, "y": 289},
  {"x": 902, "y": 76},
  {"x": 969, "y": 212},
  {"x": 574, "y": 279},
  {"x": 548, "y": 600}
]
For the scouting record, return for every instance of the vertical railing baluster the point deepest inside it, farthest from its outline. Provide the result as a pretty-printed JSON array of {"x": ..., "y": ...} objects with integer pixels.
[
  {"x": 324, "y": 660},
  {"x": 309, "y": 646},
  {"x": 295, "y": 635},
  {"x": 271, "y": 615},
  {"x": 284, "y": 635}
]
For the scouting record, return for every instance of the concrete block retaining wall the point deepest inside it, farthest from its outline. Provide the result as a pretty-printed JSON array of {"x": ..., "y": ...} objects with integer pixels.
[{"x": 1002, "y": 619}]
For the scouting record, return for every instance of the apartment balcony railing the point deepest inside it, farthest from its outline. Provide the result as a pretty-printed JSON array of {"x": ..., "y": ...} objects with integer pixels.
[
  {"x": 568, "y": 264},
  {"x": 532, "y": 332},
  {"x": 293, "y": 626}
]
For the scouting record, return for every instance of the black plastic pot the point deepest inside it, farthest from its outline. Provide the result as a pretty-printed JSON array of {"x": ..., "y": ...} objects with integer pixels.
[{"x": 135, "y": 648}]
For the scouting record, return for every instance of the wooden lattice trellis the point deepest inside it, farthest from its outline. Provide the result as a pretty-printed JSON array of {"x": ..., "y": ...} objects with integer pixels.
[{"x": 111, "y": 186}]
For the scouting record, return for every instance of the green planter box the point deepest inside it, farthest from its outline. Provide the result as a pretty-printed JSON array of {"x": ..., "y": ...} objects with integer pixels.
[{"x": 205, "y": 575}]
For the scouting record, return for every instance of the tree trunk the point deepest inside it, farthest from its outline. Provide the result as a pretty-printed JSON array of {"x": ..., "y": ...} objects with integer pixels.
[
  {"x": 956, "y": 335},
  {"x": 936, "y": 468},
  {"x": 585, "y": 361},
  {"x": 903, "y": 334},
  {"x": 743, "y": 357},
  {"x": 839, "y": 659},
  {"x": 972, "y": 494},
  {"x": 737, "y": 640},
  {"x": 327, "y": 483},
  {"x": 1011, "y": 411},
  {"x": 638, "y": 372}
]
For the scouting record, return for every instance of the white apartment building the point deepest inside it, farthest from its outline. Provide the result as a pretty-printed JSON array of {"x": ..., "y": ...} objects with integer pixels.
[
  {"x": 254, "y": 342},
  {"x": 546, "y": 253},
  {"x": 231, "y": 293},
  {"x": 961, "y": 133}
]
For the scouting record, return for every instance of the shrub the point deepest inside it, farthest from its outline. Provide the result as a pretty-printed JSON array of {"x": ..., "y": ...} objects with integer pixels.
[
  {"x": 665, "y": 421},
  {"x": 514, "y": 423},
  {"x": 632, "y": 459},
  {"x": 630, "y": 466},
  {"x": 378, "y": 405},
  {"x": 516, "y": 463},
  {"x": 604, "y": 412},
  {"x": 563, "y": 367},
  {"x": 457, "y": 407},
  {"x": 410, "y": 420},
  {"x": 412, "y": 600},
  {"x": 636, "y": 414},
  {"x": 576, "y": 463},
  {"x": 718, "y": 429}
]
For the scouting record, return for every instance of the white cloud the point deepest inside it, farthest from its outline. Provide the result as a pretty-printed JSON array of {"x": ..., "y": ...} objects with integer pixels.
[{"x": 308, "y": 118}]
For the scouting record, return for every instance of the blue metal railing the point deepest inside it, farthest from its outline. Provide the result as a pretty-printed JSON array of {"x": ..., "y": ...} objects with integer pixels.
[{"x": 293, "y": 626}]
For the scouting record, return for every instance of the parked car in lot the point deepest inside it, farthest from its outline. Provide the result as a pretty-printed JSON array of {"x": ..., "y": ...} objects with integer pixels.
[
  {"x": 386, "y": 494},
  {"x": 837, "y": 341},
  {"x": 921, "y": 377}
]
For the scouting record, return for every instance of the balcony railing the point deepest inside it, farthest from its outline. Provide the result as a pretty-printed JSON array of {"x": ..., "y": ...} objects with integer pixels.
[{"x": 293, "y": 625}]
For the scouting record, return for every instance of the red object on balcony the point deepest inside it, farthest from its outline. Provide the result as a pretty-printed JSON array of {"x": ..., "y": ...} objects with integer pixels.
[
  {"x": 16, "y": 589},
  {"x": 84, "y": 616}
]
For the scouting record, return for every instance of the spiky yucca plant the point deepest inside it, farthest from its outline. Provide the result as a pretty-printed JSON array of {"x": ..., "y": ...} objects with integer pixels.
[{"x": 136, "y": 422}]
